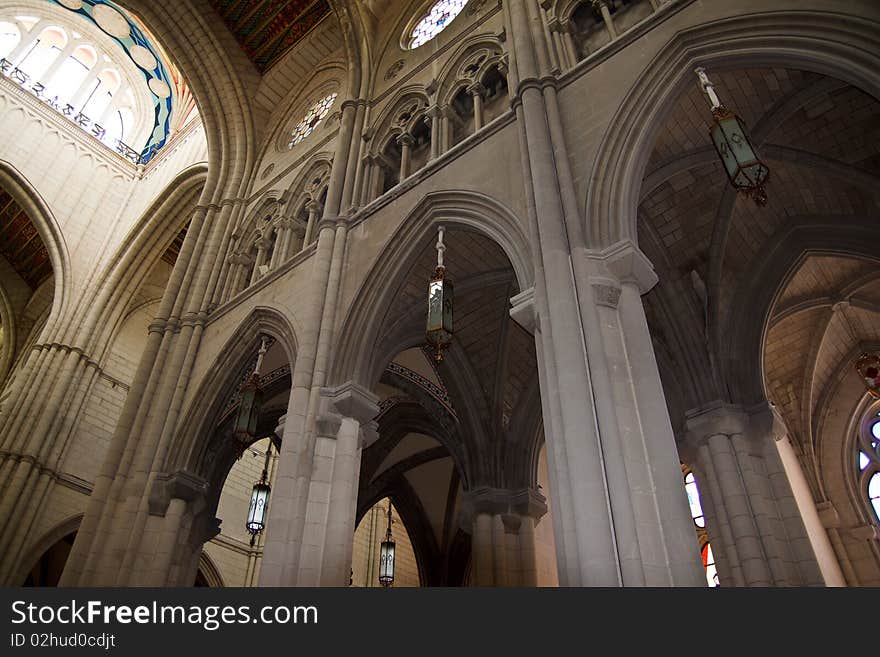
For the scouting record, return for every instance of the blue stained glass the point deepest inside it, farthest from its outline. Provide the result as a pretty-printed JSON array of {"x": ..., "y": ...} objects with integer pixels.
[{"x": 441, "y": 14}]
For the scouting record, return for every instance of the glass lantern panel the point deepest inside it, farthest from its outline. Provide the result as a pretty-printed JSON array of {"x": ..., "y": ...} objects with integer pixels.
[
  {"x": 728, "y": 159},
  {"x": 386, "y": 561},
  {"x": 735, "y": 136},
  {"x": 447, "y": 306},
  {"x": 435, "y": 305},
  {"x": 258, "y": 508}
]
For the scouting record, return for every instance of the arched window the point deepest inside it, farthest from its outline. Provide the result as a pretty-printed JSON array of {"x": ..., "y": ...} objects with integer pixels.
[
  {"x": 312, "y": 119},
  {"x": 10, "y": 35},
  {"x": 693, "y": 497},
  {"x": 436, "y": 20},
  {"x": 37, "y": 59},
  {"x": 690, "y": 486},
  {"x": 868, "y": 462}
]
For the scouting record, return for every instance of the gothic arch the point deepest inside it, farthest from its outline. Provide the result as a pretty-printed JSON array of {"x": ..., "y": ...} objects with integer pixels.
[
  {"x": 193, "y": 450},
  {"x": 38, "y": 211},
  {"x": 741, "y": 353},
  {"x": 452, "y": 77},
  {"x": 46, "y": 541},
  {"x": 140, "y": 251},
  {"x": 836, "y": 45},
  {"x": 223, "y": 82},
  {"x": 356, "y": 359},
  {"x": 210, "y": 571}
]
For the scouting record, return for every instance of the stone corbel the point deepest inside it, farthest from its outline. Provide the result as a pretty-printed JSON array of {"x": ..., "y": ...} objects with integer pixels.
[
  {"x": 629, "y": 265},
  {"x": 765, "y": 419},
  {"x": 606, "y": 291},
  {"x": 523, "y": 311},
  {"x": 181, "y": 485},
  {"x": 349, "y": 400}
]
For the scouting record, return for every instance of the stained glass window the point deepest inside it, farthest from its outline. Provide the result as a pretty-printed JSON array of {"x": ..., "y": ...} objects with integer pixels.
[
  {"x": 709, "y": 566},
  {"x": 868, "y": 463},
  {"x": 311, "y": 120},
  {"x": 440, "y": 16},
  {"x": 690, "y": 486}
]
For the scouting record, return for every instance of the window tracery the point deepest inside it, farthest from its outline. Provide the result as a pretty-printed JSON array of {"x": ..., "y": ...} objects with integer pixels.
[
  {"x": 437, "y": 19},
  {"x": 868, "y": 462},
  {"x": 312, "y": 119}
]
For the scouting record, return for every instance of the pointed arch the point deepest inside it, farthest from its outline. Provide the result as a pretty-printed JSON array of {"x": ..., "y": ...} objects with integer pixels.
[
  {"x": 834, "y": 44},
  {"x": 41, "y": 216},
  {"x": 356, "y": 359},
  {"x": 42, "y": 545},
  {"x": 193, "y": 436},
  {"x": 741, "y": 353}
]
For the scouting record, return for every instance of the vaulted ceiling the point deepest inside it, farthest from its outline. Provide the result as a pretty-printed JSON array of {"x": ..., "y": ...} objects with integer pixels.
[
  {"x": 821, "y": 139},
  {"x": 20, "y": 243},
  {"x": 266, "y": 29}
]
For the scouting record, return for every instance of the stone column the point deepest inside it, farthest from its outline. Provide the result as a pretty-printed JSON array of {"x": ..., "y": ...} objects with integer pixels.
[
  {"x": 343, "y": 427},
  {"x": 755, "y": 540},
  {"x": 405, "y": 141},
  {"x": 314, "y": 209},
  {"x": 263, "y": 243},
  {"x": 433, "y": 116},
  {"x": 282, "y": 238},
  {"x": 825, "y": 556},
  {"x": 502, "y": 526},
  {"x": 602, "y": 6},
  {"x": 564, "y": 30},
  {"x": 477, "y": 91}
]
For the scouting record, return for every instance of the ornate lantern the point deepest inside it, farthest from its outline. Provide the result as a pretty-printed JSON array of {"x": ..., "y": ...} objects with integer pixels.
[
  {"x": 256, "y": 520},
  {"x": 245, "y": 428},
  {"x": 386, "y": 555},
  {"x": 868, "y": 367},
  {"x": 440, "y": 294},
  {"x": 746, "y": 171}
]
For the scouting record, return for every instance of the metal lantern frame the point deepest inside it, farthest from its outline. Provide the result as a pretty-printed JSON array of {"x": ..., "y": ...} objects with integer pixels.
[
  {"x": 439, "y": 329},
  {"x": 745, "y": 170},
  {"x": 868, "y": 367},
  {"x": 250, "y": 403},
  {"x": 387, "y": 555},
  {"x": 259, "y": 507}
]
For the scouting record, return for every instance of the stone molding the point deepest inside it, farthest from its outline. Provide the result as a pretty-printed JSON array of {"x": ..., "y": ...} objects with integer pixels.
[
  {"x": 501, "y": 502},
  {"x": 523, "y": 311},
  {"x": 181, "y": 485},
  {"x": 628, "y": 264}
]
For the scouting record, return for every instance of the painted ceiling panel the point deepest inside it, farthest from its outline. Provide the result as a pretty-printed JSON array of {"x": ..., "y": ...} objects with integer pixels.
[{"x": 266, "y": 29}]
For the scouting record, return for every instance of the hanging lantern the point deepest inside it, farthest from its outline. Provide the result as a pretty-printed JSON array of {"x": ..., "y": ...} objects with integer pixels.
[
  {"x": 746, "y": 171},
  {"x": 868, "y": 367},
  {"x": 256, "y": 520},
  {"x": 245, "y": 428},
  {"x": 386, "y": 555},
  {"x": 440, "y": 294}
]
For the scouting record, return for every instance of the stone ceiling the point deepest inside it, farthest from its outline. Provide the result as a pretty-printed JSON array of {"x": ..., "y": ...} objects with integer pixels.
[
  {"x": 821, "y": 139},
  {"x": 266, "y": 29}
]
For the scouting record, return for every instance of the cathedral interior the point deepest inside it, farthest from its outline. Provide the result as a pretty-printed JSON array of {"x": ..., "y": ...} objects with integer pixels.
[{"x": 418, "y": 293}]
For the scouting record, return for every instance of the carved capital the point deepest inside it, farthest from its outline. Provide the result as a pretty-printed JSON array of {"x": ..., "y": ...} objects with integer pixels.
[{"x": 180, "y": 485}]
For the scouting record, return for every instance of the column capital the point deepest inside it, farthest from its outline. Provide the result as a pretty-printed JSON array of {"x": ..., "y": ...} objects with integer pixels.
[
  {"x": 500, "y": 501},
  {"x": 476, "y": 89},
  {"x": 181, "y": 485},
  {"x": 628, "y": 264},
  {"x": 721, "y": 418},
  {"x": 405, "y": 139},
  {"x": 523, "y": 311},
  {"x": 352, "y": 400},
  {"x": 314, "y": 206}
]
